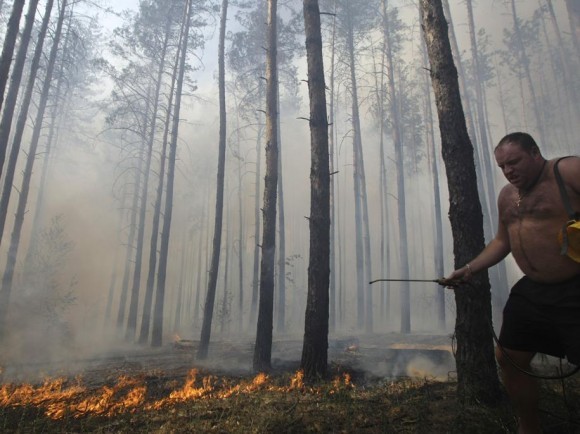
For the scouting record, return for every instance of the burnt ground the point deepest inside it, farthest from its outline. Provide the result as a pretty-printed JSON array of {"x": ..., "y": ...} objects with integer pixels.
[
  {"x": 372, "y": 358},
  {"x": 401, "y": 383}
]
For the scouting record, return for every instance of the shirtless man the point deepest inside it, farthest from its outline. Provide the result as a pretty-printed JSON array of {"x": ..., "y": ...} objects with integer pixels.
[{"x": 542, "y": 313}]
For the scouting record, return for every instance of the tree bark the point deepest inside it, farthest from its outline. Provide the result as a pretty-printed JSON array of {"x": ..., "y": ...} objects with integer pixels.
[
  {"x": 401, "y": 198},
  {"x": 438, "y": 251},
  {"x": 263, "y": 347},
  {"x": 144, "y": 194},
  {"x": 7, "y": 278},
  {"x": 12, "y": 96},
  {"x": 9, "y": 44},
  {"x": 476, "y": 368},
  {"x": 219, "y": 205},
  {"x": 152, "y": 264},
  {"x": 573, "y": 8},
  {"x": 314, "y": 361},
  {"x": 157, "y": 331}
]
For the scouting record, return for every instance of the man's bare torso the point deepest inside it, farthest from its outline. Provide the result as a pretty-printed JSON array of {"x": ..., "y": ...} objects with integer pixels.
[{"x": 533, "y": 221}]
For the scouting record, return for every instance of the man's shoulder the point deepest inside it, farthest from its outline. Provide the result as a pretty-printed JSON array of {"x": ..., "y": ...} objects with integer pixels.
[
  {"x": 569, "y": 168},
  {"x": 506, "y": 190}
]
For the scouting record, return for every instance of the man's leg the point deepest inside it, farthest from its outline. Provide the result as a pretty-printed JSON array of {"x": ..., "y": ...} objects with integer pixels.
[{"x": 521, "y": 388}]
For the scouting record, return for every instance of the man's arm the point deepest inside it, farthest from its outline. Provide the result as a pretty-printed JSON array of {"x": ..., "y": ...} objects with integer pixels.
[
  {"x": 494, "y": 252},
  {"x": 570, "y": 171}
]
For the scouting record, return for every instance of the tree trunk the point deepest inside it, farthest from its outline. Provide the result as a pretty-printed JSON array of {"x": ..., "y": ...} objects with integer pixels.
[
  {"x": 263, "y": 347},
  {"x": 8, "y": 47},
  {"x": 157, "y": 331},
  {"x": 525, "y": 63},
  {"x": 40, "y": 207},
  {"x": 573, "y": 8},
  {"x": 402, "y": 213},
  {"x": 281, "y": 302},
  {"x": 15, "y": 79},
  {"x": 7, "y": 115},
  {"x": 130, "y": 242},
  {"x": 152, "y": 265},
  {"x": 256, "y": 260},
  {"x": 333, "y": 214},
  {"x": 476, "y": 368},
  {"x": 358, "y": 219},
  {"x": 438, "y": 251},
  {"x": 498, "y": 273},
  {"x": 314, "y": 361},
  {"x": 564, "y": 61},
  {"x": 241, "y": 234},
  {"x": 140, "y": 203},
  {"x": 219, "y": 205},
  {"x": 150, "y": 135},
  {"x": 7, "y": 278}
]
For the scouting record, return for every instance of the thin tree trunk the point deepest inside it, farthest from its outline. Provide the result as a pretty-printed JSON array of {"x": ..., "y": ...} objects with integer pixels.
[
  {"x": 150, "y": 135},
  {"x": 131, "y": 324},
  {"x": 438, "y": 251},
  {"x": 256, "y": 260},
  {"x": 333, "y": 214},
  {"x": 314, "y": 362},
  {"x": 263, "y": 347},
  {"x": 357, "y": 184},
  {"x": 8, "y": 275},
  {"x": 9, "y": 44},
  {"x": 219, "y": 206},
  {"x": 401, "y": 199},
  {"x": 15, "y": 79},
  {"x": 573, "y": 8},
  {"x": 498, "y": 274},
  {"x": 6, "y": 123},
  {"x": 525, "y": 63},
  {"x": 385, "y": 246},
  {"x": 564, "y": 61},
  {"x": 39, "y": 209},
  {"x": 152, "y": 265},
  {"x": 281, "y": 304},
  {"x": 225, "y": 313},
  {"x": 157, "y": 331},
  {"x": 180, "y": 291}
]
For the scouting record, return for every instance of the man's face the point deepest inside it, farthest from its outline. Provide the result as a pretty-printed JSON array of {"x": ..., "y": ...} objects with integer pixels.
[{"x": 518, "y": 166}]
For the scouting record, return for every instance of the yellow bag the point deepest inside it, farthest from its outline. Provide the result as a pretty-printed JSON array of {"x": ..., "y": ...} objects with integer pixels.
[{"x": 569, "y": 238}]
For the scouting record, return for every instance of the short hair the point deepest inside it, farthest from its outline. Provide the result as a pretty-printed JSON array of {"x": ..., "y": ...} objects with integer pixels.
[{"x": 526, "y": 142}]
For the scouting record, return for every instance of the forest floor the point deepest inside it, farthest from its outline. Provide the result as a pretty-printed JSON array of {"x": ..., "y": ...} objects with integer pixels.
[{"x": 379, "y": 384}]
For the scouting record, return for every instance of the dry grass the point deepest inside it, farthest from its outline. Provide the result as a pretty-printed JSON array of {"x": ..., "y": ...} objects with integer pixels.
[{"x": 282, "y": 404}]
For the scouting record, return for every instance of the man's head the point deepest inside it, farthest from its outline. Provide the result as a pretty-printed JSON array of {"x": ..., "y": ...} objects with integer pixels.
[{"x": 520, "y": 159}]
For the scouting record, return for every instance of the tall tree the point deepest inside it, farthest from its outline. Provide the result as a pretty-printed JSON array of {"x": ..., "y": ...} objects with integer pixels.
[
  {"x": 314, "y": 361},
  {"x": 8, "y": 47},
  {"x": 157, "y": 331},
  {"x": 438, "y": 251},
  {"x": 573, "y": 8},
  {"x": 7, "y": 278},
  {"x": 15, "y": 79},
  {"x": 524, "y": 63},
  {"x": 263, "y": 346},
  {"x": 219, "y": 206},
  {"x": 484, "y": 157},
  {"x": 397, "y": 137},
  {"x": 476, "y": 370},
  {"x": 154, "y": 96}
]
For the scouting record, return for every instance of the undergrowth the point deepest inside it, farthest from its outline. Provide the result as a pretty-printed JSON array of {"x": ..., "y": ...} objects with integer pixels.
[{"x": 390, "y": 406}]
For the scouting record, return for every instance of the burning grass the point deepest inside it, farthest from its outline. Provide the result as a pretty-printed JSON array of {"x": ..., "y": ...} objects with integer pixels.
[{"x": 262, "y": 404}]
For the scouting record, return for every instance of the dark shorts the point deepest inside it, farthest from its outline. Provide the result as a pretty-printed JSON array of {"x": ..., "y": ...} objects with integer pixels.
[{"x": 543, "y": 318}]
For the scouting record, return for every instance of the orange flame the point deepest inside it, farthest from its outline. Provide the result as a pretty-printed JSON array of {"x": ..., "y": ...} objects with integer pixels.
[{"x": 129, "y": 394}]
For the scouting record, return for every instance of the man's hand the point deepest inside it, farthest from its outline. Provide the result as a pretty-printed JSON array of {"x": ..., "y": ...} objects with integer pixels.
[{"x": 461, "y": 275}]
